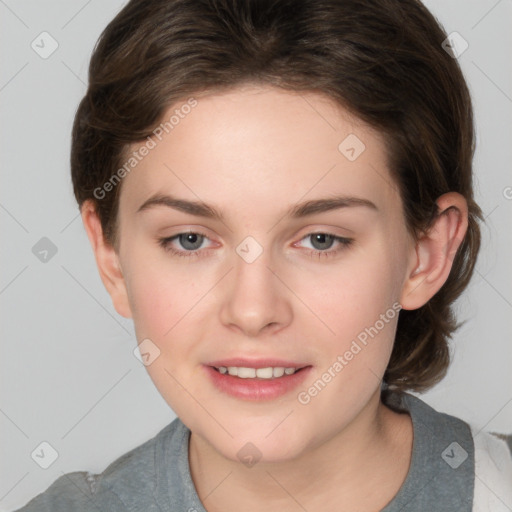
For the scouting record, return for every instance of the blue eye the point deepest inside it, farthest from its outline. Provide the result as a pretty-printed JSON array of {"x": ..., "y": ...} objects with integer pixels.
[
  {"x": 192, "y": 241},
  {"x": 322, "y": 242}
]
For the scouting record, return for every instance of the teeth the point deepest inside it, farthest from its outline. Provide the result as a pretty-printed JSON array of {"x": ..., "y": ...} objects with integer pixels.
[
  {"x": 246, "y": 373},
  {"x": 264, "y": 373},
  {"x": 260, "y": 373},
  {"x": 278, "y": 372}
]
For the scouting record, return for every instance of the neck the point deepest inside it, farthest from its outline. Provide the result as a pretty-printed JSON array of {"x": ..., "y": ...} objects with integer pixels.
[{"x": 362, "y": 466}]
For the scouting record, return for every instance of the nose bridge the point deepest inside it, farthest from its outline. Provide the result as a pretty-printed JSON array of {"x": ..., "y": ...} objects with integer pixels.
[
  {"x": 254, "y": 276},
  {"x": 255, "y": 297}
]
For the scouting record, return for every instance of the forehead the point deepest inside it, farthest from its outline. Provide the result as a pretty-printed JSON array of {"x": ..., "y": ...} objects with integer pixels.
[{"x": 260, "y": 147}]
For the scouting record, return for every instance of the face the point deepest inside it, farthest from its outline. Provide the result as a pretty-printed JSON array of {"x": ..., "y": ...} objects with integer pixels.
[{"x": 302, "y": 267}]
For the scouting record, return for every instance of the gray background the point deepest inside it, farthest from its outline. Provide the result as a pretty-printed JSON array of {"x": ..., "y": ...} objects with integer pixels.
[{"x": 68, "y": 373}]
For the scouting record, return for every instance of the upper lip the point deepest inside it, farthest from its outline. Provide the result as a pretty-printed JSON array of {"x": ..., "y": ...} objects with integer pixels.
[{"x": 256, "y": 363}]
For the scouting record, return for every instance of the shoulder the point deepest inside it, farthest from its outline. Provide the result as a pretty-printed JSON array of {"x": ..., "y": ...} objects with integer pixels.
[
  {"x": 126, "y": 483},
  {"x": 68, "y": 493},
  {"x": 493, "y": 472},
  {"x": 478, "y": 464}
]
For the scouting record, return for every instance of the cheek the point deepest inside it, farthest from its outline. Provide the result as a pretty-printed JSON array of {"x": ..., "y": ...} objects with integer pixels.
[
  {"x": 154, "y": 287},
  {"x": 166, "y": 311},
  {"x": 353, "y": 295},
  {"x": 162, "y": 295},
  {"x": 357, "y": 304}
]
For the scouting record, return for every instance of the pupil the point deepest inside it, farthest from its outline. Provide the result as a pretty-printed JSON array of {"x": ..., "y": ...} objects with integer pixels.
[
  {"x": 190, "y": 241},
  {"x": 324, "y": 240}
]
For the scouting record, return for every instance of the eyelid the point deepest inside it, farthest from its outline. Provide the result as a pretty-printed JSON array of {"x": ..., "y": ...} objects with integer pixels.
[
  {"x": 327, "y": 229},
  {"x": 164, "y": 240},
  {"x": 342, "y": 241}
]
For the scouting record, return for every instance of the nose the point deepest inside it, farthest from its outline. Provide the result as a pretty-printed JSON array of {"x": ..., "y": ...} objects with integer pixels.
[{"x": 255, "y": 300}]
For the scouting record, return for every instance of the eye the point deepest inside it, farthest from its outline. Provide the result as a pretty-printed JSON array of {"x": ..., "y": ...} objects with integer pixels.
[
  {"x": 191, "y": 242},
  {"x": 322, "y": 243}
]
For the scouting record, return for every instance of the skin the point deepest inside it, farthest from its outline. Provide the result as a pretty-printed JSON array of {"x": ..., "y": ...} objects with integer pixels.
[{"x": 253, "y": 153}]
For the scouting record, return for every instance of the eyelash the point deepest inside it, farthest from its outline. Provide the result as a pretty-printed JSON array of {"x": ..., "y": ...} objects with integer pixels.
[{"x": 344, "y": 242}]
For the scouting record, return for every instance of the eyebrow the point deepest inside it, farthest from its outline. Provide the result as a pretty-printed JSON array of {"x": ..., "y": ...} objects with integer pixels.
[{"x": 200, "y": 209}]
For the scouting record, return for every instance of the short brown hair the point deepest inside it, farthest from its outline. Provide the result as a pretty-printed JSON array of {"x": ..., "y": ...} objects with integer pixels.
[{"x": 382, "y": 60}]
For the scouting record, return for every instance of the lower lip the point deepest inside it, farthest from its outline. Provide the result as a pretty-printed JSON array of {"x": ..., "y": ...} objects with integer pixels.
[{"x": 256, "y": 389}]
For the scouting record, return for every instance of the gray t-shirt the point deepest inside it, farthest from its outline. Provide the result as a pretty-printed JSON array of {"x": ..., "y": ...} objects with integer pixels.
[{"x": 155, "y": 476}]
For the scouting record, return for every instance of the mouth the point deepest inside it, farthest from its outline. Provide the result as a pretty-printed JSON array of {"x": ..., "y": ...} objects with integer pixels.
[
  {"x": 261, "y": 380},
  {"x": 265, "y": 373}
]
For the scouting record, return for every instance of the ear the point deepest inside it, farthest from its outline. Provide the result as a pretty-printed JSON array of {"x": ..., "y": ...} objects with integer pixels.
[
  {"x": 107, "y": 260},
  {"x": 435, "y": 251}
]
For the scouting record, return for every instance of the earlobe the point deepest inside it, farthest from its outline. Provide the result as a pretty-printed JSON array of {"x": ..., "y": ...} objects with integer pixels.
[
  {"x": 435, "y": 251},
  {"x": 107, "y": 260}
]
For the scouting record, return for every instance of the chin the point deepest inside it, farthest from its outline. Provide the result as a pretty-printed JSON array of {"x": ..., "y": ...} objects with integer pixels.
[{"x": 251, "y": 444}]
